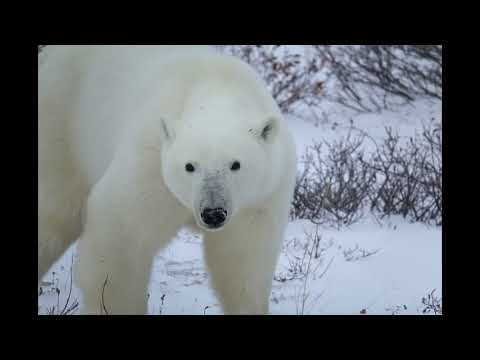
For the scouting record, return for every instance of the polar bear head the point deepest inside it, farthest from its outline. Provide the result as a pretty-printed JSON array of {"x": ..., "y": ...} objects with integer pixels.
[{"x": 217, "y": 170}]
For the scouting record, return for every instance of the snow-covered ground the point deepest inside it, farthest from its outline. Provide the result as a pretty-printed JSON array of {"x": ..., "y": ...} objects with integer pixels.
[{"x": 367, "y": 268}]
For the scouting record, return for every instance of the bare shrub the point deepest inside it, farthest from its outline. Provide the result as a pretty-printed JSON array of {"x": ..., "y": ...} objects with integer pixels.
[
  {"x": 356, "y": 253},
  {"x": 396, "y": 309},
  {"x": 304, "y": 299},
  {"x": 300, "y": 255},
  {"x": 334, "y": 185},
  {"x": 306, "y": 263},
  {"x": 338, "y": 181},
  {"x": 432, "y": 303},
  {"x": 375, "y": 77},
  {"x": 409, "y": 177},
  {"x": 70, "y": 306}
]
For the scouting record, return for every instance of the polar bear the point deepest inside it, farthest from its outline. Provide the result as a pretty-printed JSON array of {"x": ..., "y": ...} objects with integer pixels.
[{"x": 136, "y": 142}]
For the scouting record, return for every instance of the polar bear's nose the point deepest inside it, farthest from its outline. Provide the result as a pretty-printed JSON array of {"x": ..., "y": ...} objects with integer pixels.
[{"x": 214, "y": 217}]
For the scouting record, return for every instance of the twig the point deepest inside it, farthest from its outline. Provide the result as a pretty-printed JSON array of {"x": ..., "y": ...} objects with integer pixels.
[{"x": 103, "y": 291}]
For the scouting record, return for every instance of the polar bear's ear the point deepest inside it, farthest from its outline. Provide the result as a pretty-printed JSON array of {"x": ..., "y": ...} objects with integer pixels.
[
  {"x": 268, "y": 131},
  {"x": 167, "y": 134}
]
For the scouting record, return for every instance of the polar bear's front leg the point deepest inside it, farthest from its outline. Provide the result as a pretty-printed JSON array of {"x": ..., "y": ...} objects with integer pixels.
[
  {"x": 113, "y": 268},
  {"x": 242, "y": 259},
  {"x": 113, "y": 275},
  {"x": 123, "y": 231},
  {"x": 115, "y": 284}
]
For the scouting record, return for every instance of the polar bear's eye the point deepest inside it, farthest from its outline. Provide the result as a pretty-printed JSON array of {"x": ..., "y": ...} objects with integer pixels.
[
  {"x": 235, "y": 166},
  {"x": 189, "y": 168}
]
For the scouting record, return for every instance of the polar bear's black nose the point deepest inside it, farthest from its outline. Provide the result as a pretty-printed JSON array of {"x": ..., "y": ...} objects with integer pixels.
[{"x": 214, "y": 217}]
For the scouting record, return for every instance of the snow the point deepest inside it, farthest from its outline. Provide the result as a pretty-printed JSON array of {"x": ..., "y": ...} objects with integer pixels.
[{"x": 404, "y": 265}]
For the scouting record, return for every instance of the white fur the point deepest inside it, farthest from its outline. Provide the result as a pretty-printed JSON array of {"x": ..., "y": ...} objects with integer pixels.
[{"x": 117, "y": 124}]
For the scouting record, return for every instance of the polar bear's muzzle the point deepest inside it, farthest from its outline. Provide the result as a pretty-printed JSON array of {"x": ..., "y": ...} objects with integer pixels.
[{"x": 213, "y": 205}]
